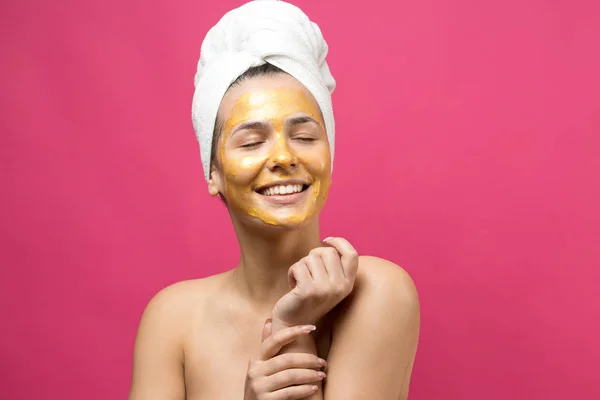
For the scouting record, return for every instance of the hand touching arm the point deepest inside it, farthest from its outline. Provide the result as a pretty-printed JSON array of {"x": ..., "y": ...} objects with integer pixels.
[
  {"x": 319, "y": 282},
  {"x": 286, "y": 376},
  {"x": 304, "y": 344},
  {"x": 375, "y": 337}
]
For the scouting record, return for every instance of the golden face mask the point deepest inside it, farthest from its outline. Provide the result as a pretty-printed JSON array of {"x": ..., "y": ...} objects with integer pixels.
[{"x": 274, "y": 136}]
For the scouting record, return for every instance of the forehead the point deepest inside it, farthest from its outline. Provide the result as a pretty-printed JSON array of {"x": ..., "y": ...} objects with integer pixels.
[{"x": 267, "y": 97}]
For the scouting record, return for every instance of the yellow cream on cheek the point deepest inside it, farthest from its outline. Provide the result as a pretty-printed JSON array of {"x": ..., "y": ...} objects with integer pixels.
[{"x": 271, "y": 105}]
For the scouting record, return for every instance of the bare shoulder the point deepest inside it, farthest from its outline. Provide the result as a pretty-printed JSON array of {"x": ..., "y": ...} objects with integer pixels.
[
  {"x": 173, "y": 301},
  {"x": 383, "y": 280},
  {"x": 378, "y": 324},
  {"x": 382, "y": 290},
  {"x": 172, "y": 306},
  {"x": 158, "y": 360},
  {"x": 166, "y": 320}
]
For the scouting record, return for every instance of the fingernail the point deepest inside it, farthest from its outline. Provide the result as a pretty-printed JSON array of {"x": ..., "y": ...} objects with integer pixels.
[
  {"x": 309, "y": 328},
  {"x": 322, "y": 362},
  {"x": 327, "y": 238},
  {"x": 314, "y": 388},
  {"x": 321, "y": 375}
]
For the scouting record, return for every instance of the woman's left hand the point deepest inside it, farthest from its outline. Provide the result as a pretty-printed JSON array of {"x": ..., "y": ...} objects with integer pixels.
[{"x": 319, "y": 282}]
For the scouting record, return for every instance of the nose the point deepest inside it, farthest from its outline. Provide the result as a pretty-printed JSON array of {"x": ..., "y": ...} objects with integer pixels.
[{"x": 281, "y": 156}]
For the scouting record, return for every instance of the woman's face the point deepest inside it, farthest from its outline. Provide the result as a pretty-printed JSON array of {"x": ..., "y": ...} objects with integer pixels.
[{"x": 273, "y": 161}]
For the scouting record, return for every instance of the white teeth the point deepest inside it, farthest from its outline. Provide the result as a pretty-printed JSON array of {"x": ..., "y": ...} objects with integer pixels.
[{"x": 273, "y": 190}]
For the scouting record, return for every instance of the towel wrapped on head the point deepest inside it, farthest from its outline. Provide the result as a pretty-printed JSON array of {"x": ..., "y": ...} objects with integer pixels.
[{"x": 259, "y": 32}]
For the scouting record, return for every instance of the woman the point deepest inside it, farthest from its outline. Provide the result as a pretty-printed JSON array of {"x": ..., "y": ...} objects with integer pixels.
[{"x": 298, "y": 317}]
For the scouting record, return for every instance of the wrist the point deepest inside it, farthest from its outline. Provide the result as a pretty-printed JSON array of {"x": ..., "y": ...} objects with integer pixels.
[
  {"x": 303, "y": 344},
  {"x": 281, "y": 323}
]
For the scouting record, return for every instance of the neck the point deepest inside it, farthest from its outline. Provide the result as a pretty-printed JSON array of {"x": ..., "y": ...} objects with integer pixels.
[{"x": 265, "y": 257}]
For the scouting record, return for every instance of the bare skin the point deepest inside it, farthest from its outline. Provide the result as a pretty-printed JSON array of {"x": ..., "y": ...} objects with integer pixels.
[{"x": 238, "y": 335}]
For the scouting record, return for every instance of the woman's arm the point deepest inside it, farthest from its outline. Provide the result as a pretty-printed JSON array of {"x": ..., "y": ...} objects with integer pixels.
[
  {"x": 303, "y": 344},
  {"x": 375, "y": 338},
  {"x": 319, "y": 282},
  {"x": 158, "y": 353}
]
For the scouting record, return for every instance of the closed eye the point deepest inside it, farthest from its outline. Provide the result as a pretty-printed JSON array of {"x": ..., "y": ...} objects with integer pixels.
[
  {"x": 306, "y": 139},
  {"x": 251, "y": 145}
]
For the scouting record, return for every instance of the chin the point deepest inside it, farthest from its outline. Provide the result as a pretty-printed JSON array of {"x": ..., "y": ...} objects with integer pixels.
[
  {"x": 284, "y": 222},
  {"x": 278, "y": 222}
]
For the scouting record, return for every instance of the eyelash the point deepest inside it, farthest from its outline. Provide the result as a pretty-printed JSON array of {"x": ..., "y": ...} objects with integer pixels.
[
  {"x": 256, "y": 144},
  {"x": 251, "y": 145}
]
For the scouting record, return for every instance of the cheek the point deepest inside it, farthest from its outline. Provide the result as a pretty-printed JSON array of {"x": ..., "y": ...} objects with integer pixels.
[
  {"x": 242, "y": 168},
  {"x": 318, "y": 162}
]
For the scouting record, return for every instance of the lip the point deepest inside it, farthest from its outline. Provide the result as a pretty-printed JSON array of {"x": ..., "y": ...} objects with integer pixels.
[
  {"x": 286, "y": 198},
  {"x": 283, "y": 182}
]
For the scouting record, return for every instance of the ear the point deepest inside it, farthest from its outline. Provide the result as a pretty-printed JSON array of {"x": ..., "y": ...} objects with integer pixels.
[{"x": 215, "y": 183}]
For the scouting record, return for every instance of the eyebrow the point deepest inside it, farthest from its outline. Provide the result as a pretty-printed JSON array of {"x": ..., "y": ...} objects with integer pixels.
[
  {"x": 258, "y": 125},
  {"x": 299, "y": 120},
  {"x": 262, "y": 125},
  {"x": 252, "y": 125}
]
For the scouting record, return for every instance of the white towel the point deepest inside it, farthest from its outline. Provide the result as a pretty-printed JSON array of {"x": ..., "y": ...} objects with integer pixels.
[{"x": 258, "y": 32}]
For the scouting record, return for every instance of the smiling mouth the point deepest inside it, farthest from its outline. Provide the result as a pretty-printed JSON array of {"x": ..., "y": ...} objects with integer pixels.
[{"x": 283, "y": 190}]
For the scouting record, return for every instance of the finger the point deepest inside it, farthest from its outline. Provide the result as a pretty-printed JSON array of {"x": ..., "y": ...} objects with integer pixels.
[
  {"x": 348, "y": 253},
  {"x": 292, "y": 360},
  {"x": 316, "y": 267},
  {"x": 291, "y": 377},
  {"x": 332, "y": 261},
  {"x": 267, "y": 329},
  {"x": 298, "y": 274},
  {"x": 273, "y": 344},
  {"x": 293, "y": 392}
]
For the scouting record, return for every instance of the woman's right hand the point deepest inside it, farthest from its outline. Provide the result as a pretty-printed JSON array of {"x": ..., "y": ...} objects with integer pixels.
[{"x": 286, "y": 376}]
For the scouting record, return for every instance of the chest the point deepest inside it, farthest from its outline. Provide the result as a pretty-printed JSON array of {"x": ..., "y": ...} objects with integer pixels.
[{"x": 217, "y": 357}]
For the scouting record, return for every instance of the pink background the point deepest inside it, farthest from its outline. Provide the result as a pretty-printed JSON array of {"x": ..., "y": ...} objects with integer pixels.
[{"x": 468, "y": 152}]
